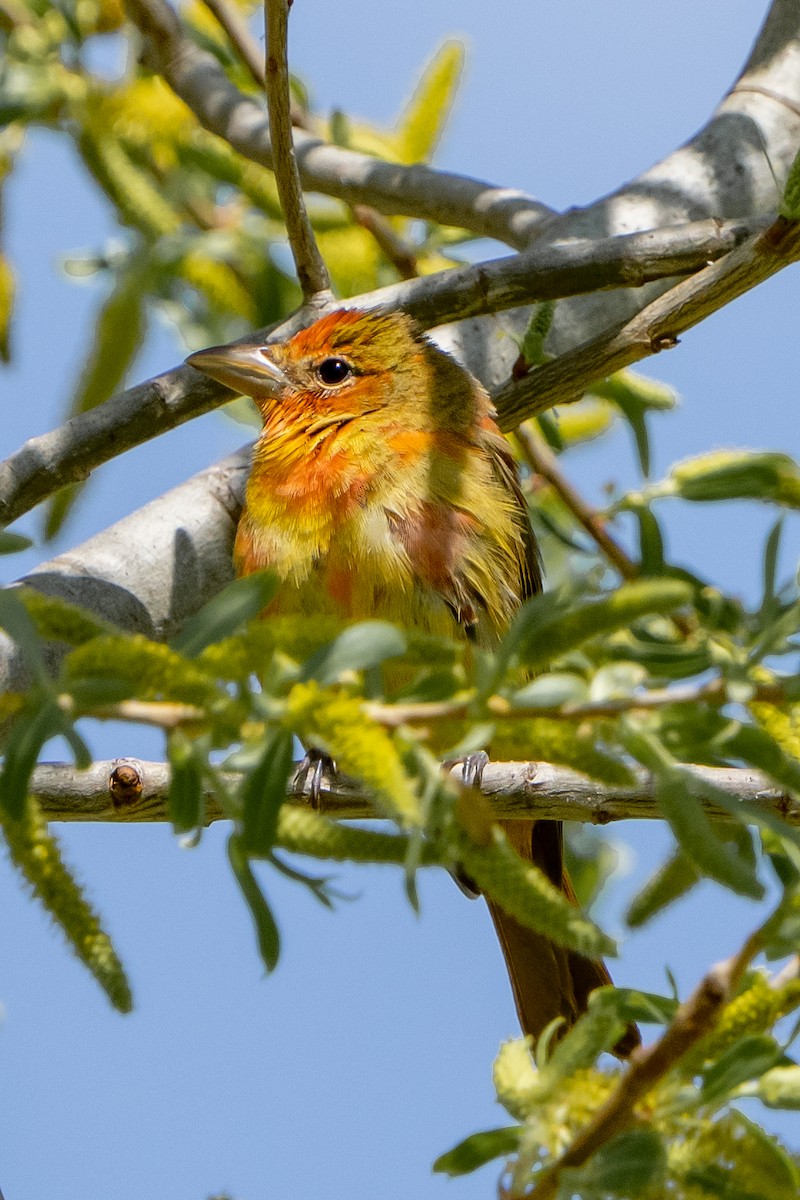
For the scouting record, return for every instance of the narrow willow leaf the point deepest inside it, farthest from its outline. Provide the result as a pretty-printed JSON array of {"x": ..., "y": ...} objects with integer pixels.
[
  {"x": 624, "y": 1167},
  {"x": 7, "y": 290},
  {"x": 738, "y": 475},
  {"x": 420, "y": 125},
  {"x": 757, "y": 747},
  {"x": 651, "y": 545},
  {"x": 671, "y": 881},
  {"x": 749, "y": 1058},
  {"x": 630, "y": 1005},
  {"x": 236, "y": 604},
  {"x": 768, "y": 1161},
  {"x": 479, "y": 1149},
  {"x": 119, "y": 331},
  {"x": 780, "y": 1088},
  {"x": 39, "y": 720},
  {"x": 18, "y": 625},
  {"x": 535, "y": 643},
  {"x": 635, "y": 395},
  {"x": 185, "y": 801},
  {"x": 771, "y": 552},
  {"x": 264, "y": 791},
  {"x": 356, "y": 649},
  {"x": 524, "y": 892},
  {"x": 676, "y": 796},
  {"x": 13, "y": 543},
  {"x": 552, "y": 691},
  {"x": 266, "y": 929},
  {"x": 595, "y": 1031},
  {"x": 36, "y": 854}
]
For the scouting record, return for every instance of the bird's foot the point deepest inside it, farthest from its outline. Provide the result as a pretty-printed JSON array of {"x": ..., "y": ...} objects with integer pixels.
[
  {"x": 472, "y": 768},
  {"x": 315, "y": 766}
]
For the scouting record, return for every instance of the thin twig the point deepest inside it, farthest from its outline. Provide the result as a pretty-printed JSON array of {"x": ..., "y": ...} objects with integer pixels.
[
  {"x": 542, "y": 460},
  {"x": 715, "y": 692},
  {"x": 240, "y": 38},
  {"x": 655, "y": 328},
  {"x": 399, "y": 252},
  {"x": 693, "y": 1020},
  {"x": 312, "y": 274},
  {"x": 50, "y": 461},
  {"x": 413, "y": 191},
  {"x": 514, "y": 790}
]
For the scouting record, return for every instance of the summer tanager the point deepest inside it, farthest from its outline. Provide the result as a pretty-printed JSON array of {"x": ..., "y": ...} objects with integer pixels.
[{"x": 382, "y": 487}]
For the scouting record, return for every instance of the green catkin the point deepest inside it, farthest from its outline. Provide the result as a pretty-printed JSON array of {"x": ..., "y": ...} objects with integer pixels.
[{"x": 35, "y": 852}]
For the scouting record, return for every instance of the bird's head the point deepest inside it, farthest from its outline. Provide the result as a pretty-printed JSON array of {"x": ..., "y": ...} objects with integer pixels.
[{"x": 347, "y": 364}]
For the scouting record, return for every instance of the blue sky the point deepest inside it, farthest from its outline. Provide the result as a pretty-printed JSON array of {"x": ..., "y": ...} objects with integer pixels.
[{"x": 369, "y": 1051}]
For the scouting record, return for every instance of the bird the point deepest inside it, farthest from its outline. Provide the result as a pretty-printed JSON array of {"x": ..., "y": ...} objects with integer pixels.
[{"x": 382, "y": 487}]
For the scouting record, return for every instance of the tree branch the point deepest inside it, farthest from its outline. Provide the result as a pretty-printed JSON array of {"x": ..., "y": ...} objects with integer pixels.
[
  {"x": 515, "y": 790},
  {"x": 694, "y": 1019},
  {"x": 655, "y": 328},
  {"x": 542, "y": 460},
  {"x": 312, "y": 274},
  {"x": 417, "y": 191},
  {"x": 67, "y": 454}
]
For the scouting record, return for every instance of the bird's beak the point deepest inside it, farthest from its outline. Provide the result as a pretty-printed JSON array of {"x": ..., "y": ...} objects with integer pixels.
[{"x": 246, "y": 369}]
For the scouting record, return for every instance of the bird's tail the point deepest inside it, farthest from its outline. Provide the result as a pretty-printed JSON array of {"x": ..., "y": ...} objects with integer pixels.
[{"x": 548, "y": 980}]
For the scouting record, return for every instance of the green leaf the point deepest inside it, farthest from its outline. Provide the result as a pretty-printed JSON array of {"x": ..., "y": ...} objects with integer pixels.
[
  {"x": 263, "y": 793},
  {"x": 479, "y": 1149},
  {"x": 536, "y": 643},
  {"x": 18, "y": 625},
  {"x": 356, "y": 649},
  {"x": 12, "y": 543},
  {"x": 420, "y": 125},
  {"x": 185, "y": 801},
  {"x": 759, "y": 749},
  {"x": 551, "y": 691},
  {"x": 780, "y": 1088},
  {"x": 771, "y": 552},
  {"x": 38, "y": 721},
  {"x": 630, "y": 1005},
  {"x": 738, "y": 475},
  {"x": 629, "y": 1163},
  {"x": 678, "y": 793},
  {"x": 749, "y": 1058},
  {"x": 651, "y": 545},
  {"x": 236, "y": 604},
  {"x": 119, "y": 330},
  {"x": 671, "y": 881},
  {"x": 266, "y": 929}
]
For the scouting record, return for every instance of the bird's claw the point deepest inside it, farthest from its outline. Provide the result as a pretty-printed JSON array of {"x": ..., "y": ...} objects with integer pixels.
[
  {"x": 316, "y": 764},
  {"x": 472, "y": 768}
]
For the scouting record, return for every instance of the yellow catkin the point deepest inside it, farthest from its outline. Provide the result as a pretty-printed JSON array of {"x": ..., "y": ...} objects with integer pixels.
[
  {"x": 754, "y": 1010},
  {"x": 35, "y": 852},
  {"x": 544, "y": 739},
  {"x": 782, "y": 724},
  {"x": 154, "y": 671},
  {"x": 524, "y": 892},
  {"x": 516, "y": 1079},
  {"x": 298, "y": 637},
  {"x": 335, "y": 722},
  {"x": 305, "y": 832}
]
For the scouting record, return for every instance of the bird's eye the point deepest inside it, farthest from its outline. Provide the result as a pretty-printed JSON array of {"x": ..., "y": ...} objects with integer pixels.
[{"x": 333, "y": 370}]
